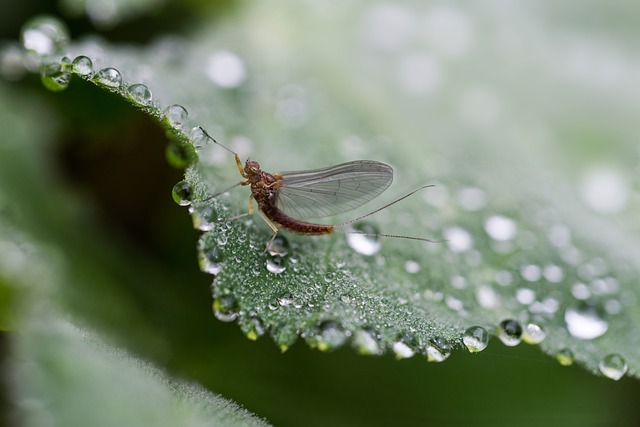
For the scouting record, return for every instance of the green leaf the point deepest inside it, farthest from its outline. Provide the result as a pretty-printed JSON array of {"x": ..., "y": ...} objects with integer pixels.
[{"x": 514, "y": 135}]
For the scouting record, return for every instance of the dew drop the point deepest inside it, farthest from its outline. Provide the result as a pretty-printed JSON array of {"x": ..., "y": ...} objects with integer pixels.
[
  {"x": 362, "y": 240},
  {"x": 531, "y": 273},
  {"x": 140, "y": 94},
  {"x": 366, "y": 343},
  {"x": 330, "y": 276},
  {"x": 82, "y": 66},
  {"x": 438, "y": 350},
  {"x": 222, "y": 239},
  {"x": 402, "y": 350},
  {"x": 275, "y": 265},
  {"x": 476, "y": 338},
  {"x": 109, "y": 77},
  {"x": 510, "y": 332},
  {"x": 178, "y": 155},
  {"x": 44, "y": 35},
  {"x": 199, "y": 138},
  {"x": 182, "y": 194},
  {"x": 204, "y": 217},
  {"x": 226, "y": 69},
  {"x": 533, "y": 334},
  {"x": 584, "y": 322},
  {"x": 565, "y": 357},
  {"x": 613, "y": 366},
  {"x": 500, "y": 228},
  {"x": 225, "y": 308},
  {"x": 525, "y": 296},
  {"x": 411, "y": 267},
  {"x": 458, "y": 239},
  {"x": 55, "y": 75},
  {"x": 256, "y": 329},
  {"x": 285, "y": 299},
  {"x": 553, "y": 273},
  {"x": 176, "y": 115},
  {"x": 210, "y": 260},
  {"x": 331, "y": 337},
  {"x": 279, "y": 246}
]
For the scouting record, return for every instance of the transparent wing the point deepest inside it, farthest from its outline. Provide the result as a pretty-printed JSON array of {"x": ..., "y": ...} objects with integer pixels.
[{"x": 334, "y": 190}]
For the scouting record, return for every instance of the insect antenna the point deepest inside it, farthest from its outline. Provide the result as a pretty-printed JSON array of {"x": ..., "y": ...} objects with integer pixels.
[
  {"x": 384, "y": 207},
  {"x": 214, "y": 140}
]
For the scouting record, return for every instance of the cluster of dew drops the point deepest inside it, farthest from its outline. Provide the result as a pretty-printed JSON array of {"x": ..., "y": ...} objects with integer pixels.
[{"x": 45, "y": 38}]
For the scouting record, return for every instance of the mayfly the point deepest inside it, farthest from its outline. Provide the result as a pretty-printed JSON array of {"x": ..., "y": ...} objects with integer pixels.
[{"x": 283, "y": 197}]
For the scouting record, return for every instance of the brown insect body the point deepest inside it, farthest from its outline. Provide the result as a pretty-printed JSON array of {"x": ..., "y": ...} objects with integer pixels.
[{"x": 264, "y": 189}]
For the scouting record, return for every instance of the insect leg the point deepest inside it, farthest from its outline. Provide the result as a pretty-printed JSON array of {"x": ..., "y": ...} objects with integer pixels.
[{"x": 275, "y": 233}]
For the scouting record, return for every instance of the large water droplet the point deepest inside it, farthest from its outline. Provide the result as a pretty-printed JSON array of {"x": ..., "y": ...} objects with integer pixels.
[
  {"x": 199, "y": 138},
  {"x": 256, "y": 329},
  {"x": 275, "y": 265},
  {"x": 279, "y": 246},
  {"x": 176, "y": 116},
  {"x": 476, "y": 338},
  {"x": 366, "y": 343},
  {"x": 363, "y": 239},
  {"x": 55, "y": 76},
  {"x": 82, "y": 66},
  {"x": 500, "y": 228},
  {"x": 613, "y": 366},
  {"x": 204, "y": 217},
  {"x": 140, "y": 94},
  {"x": 44, "y": 35},
  {"x": 510, "y": 332},
  {"x": 225, "y": 308},
  {"x": 438, "y": 350},
  {"x": 109, "y": 77},
  {"x": 285, "y": 299},
  {"x": 330, "y": 337},
  {"x": 182, "y": 194},
  {"x": 533, "y": 334},
  {"x": 584, "y": 322},
  {"x": 565, "y": 357},
  {"x": 405, "y": 347},
  {"x": 210, "y": 260}
]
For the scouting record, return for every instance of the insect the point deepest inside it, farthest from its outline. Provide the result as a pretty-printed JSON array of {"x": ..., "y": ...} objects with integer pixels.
[{"x": 283, "y": 197}]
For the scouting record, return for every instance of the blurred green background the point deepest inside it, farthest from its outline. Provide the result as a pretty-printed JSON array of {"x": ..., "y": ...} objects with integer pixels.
[{"x": 92, "y": 186}]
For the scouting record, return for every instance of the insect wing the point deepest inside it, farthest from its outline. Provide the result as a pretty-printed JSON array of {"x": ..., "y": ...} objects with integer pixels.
[{"x": 334, "y": 190}]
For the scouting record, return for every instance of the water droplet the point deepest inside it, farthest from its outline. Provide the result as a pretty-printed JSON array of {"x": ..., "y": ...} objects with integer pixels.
[
  {"x": 362, "y": 240},
  {"x": 402, "y": 350},
  {"x": 44, "y": 35},
  {"x": 533, "y": 334},
  {"x": 585, "y": 322},
  {"x": 330, "y": 337},
  {"x": 199, "y": 139},
  {"x": 366, "y": 343},
  {"x": 109, "y": 77},
  {"x": 275, "y": 265},
  {"x": 55, "y": 75},
  {"x": 531, "y": 273},
  {"x": 285, "y": 299},
  {"x": 613, "y": 366},
  {"x": 221, "y": 239},
  {"x": 565, "y": 357},
  {"x": 476, "y": 338},
  {"x": 458, "y": 239},
  {"x": 140, "y": 94},
  {"x": 500, "y": 228},
  {"x": 226, "y": 69},
  {"x": 438, "y": 350},
  {"x": 553, "y": 273},
  {"x": 487, "y": 297},
  {"x": 210, "y": 260},
  {"x": 471, "y": 199},
  {"x": 178, "y": 155},
  {"x": 279, "y": 246},
  {"x": 82, "y": 66},
  {"x": 182, "y": 194},
  {"x": 605, "y": 190},
  {"x": 204, "y": 217},
  {"x": 580, "y": 291},
  {"x": 330, "y": 276},
  {"x": 525, "y": 296},
  {"x": 225, "y": 308},
  {"x": 176, "y": 115},
  {"x": 510, "y": 332},
  {"x": 255, "y": 330},
  {"x": 411, "y": 267}
]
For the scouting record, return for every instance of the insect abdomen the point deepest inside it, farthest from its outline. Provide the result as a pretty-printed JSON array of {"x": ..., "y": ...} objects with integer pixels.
[{"x": 293, "y": 225}]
